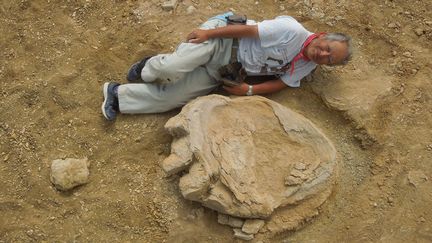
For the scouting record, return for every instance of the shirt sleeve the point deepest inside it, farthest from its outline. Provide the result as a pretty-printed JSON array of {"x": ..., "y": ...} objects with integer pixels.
[
  {"x": 299, "y": 72},
  {"x": 291, "y": 82},
  {"x": 280, "y": 30}
]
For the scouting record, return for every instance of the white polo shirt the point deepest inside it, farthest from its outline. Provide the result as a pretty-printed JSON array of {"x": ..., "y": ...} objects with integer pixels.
[{"x": 280, "y": 40}]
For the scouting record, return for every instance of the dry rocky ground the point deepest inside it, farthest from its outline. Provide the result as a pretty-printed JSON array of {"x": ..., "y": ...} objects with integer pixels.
[{"x": 56, "y": 54}]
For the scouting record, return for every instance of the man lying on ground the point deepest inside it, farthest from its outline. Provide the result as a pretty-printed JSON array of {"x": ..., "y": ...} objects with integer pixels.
[{"x": 280, "y": 47}]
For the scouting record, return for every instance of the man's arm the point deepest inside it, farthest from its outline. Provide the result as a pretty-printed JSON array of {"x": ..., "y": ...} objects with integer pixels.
[
  {"x": 270, "y": 86},
  {"x": 229, "y": 31}
]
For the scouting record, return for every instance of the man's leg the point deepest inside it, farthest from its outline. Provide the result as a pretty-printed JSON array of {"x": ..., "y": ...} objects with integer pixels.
[
  {"x": 187, "y": 57},
  {"x": 173, "y": 67},
  {"x": 155, "y": 97}
]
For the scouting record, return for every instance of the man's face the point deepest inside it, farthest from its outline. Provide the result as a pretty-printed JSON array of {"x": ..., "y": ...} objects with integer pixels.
[{"x": 322, "y": 51}]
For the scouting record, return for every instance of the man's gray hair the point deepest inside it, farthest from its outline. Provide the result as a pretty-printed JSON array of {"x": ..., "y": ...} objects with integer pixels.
[{"x": 341, "y": 38}]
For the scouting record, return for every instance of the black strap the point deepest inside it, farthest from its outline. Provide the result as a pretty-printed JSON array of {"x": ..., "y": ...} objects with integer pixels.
[{"x": 234, "y": 50}]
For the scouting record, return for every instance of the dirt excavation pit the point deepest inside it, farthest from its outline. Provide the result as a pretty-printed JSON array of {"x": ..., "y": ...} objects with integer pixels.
[{"x": 248, "y": 166}]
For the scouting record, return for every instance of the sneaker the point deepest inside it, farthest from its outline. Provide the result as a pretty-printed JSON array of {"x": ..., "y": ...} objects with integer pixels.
[
  {"x": 110, "y": 105},
  {"x": 134, "y": 72}
]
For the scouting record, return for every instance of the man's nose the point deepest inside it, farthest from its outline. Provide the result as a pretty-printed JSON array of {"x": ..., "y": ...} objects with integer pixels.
[{"x": 325, "y": 53}]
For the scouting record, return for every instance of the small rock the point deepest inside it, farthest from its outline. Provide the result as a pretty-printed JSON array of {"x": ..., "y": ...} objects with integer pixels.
[
  {"x": 390, "y": 200},
  {"x": 190, "y": 10},
  {"x": 69, "y": 173},
  {"x": 292, "y": 181},
  {"x": 298, "y": 173},
  {"x": 29, "y": 232},
  {"x": 419, "y": 31},
  {"x": 300, "y": 166},
  {"x": 6, "y": 157},
  {"x": 407, "y": 54},
  {"x": 252, "y": 226},
  {"x": 223, "y": 219},
  {"x": 169, "y": 5},
  {"x": 235, "y": 222},
  {"x": 241, "y": 235},
  {"x": 392, "y": 25},
  {"x": 416, "y": 177},
  {"x": 422, "y": 219}
]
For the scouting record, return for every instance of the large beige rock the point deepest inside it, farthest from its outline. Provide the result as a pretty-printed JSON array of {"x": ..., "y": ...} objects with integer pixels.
[
  {"x": 69, "y": 173},
  {"x": 249, "y": 156},
  {"x": 354, "y": 89}
]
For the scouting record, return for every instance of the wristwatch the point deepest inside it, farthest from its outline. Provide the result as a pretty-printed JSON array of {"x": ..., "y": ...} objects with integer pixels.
[{"x": 250, "y": 91}]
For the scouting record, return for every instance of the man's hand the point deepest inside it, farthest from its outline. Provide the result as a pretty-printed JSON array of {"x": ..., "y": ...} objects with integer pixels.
[
  {"x": 197, "y": 36},
  {"x": 239, "y": 90}
]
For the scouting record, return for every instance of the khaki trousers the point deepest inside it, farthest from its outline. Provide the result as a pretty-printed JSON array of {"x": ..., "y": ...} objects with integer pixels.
[{"x": 171, "y": 80}]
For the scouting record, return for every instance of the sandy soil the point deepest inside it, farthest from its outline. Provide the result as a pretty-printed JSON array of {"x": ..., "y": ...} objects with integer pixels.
[{"x": 55, "y": 55}]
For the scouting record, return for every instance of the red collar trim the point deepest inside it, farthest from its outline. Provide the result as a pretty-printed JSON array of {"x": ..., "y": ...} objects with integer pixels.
[{"x": 301, "y": 53}]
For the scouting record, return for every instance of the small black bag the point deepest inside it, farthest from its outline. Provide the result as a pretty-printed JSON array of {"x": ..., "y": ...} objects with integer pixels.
[
  {"x": 236, "y": 19},
  {"x": 232, "y": 74}
]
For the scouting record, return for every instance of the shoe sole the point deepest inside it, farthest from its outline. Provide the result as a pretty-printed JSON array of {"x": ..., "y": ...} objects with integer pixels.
[{"x": 105, "y": 94}]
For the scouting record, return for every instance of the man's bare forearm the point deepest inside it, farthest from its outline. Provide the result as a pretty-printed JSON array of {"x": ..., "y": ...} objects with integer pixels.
[
  {"x": 263, "y": 88},
  {"x": 230, "y": 31},
  {"x": 268, "y": 87}
]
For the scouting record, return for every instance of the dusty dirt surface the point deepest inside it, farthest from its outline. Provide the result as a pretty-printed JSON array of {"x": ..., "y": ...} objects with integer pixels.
[{"x": 55, "y": 56}]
